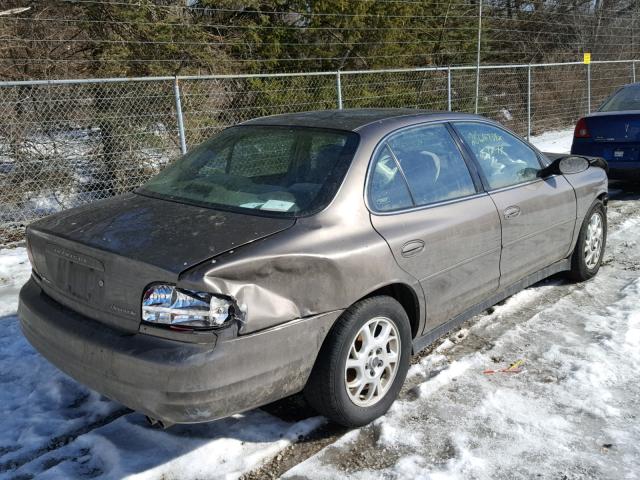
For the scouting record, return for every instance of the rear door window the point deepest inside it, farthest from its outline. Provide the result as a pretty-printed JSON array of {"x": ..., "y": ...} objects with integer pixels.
[
  {"x": 388, "y": 190},
  {"x": 432, "y": 163}
]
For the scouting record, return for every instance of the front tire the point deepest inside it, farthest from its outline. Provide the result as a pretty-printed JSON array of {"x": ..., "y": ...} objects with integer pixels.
[
  {"x": 587, "y": 256},
  {"x": 362, "y": 364}
]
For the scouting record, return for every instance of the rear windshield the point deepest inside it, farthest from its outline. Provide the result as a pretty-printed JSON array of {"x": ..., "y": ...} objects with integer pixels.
[
  {"x": 626, "y": 99},
  {"x": 282, "y": 171}
]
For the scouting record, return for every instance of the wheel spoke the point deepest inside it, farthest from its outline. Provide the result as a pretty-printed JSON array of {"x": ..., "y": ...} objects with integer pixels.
[
  {"x": 593, "y": 241},
  {"x": 372, "y": 361},
  {"x": 392, "y": 357},
  {"x": 355, "y": 363},
  {"x": 384, "y": 334},
  {"x": 359, "y": 389},
  {"x": 353, "y": 353},
  {"x": 367, "y": 336}
]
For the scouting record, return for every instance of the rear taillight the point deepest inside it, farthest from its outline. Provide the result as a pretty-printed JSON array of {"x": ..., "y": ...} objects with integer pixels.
[{"x": 581, "y": 131}]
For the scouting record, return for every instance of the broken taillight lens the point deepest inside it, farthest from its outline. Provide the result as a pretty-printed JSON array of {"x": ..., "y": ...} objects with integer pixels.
[{"x": 171, "y": 306}]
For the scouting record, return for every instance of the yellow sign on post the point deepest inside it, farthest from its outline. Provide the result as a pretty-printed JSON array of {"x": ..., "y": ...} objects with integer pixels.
[{"x": 587, "y": 58}]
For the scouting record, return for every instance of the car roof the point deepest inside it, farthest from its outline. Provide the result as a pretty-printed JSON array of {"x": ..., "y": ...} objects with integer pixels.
[{"x": 353, "y": 118}]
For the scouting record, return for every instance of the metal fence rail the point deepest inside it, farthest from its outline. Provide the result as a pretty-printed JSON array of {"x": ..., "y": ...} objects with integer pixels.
[{"x": 67, "y": 142}]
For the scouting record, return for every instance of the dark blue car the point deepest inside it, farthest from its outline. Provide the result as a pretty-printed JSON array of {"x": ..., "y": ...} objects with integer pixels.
[{"x": 613, "y": 133}]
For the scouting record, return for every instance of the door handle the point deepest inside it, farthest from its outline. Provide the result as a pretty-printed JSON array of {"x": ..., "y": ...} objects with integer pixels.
[
  {"x": 412, "y": 247},
  {"x": 511, "y": 212}
]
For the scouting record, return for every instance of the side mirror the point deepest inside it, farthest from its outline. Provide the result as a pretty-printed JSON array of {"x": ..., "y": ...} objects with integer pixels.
[{"x": 566, "y": 165}]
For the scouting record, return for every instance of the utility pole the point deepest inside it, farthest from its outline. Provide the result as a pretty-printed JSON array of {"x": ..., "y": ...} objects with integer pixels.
[{"x": 478, "y": 59}]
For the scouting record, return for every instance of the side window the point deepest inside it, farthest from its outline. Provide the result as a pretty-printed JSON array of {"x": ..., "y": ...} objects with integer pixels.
[
  {"x": 432, "y": 164},
  {"x": 388, "y": 191},
  {"x": 504, "y": 159}
]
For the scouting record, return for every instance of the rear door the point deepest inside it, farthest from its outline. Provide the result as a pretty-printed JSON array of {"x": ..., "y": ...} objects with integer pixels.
[
  {"x": 440, "y": 226},
  {"x": 538, "y": 215}
]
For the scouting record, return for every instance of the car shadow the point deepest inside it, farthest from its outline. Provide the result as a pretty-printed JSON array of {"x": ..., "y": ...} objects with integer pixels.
[{"x": 624, "y": 190}]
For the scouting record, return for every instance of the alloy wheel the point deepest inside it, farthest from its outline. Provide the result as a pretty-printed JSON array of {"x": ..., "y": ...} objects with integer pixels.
[
  {"x": 372, "y": 362},
  {"x": 593, "y": 241}
]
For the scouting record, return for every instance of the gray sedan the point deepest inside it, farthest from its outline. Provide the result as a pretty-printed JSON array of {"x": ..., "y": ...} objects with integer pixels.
[{"x": 306, "y": 252}]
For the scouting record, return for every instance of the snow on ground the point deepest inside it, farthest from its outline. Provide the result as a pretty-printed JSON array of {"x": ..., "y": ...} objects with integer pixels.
[
  {"x": 570, "y": 413},
  {"x": 14, "y": 271},
  {"x": 558, "y": 141}
]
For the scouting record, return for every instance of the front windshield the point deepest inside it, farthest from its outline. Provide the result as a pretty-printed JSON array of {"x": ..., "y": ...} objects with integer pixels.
[
  {"x": 626, "y": 99},
  {"x": 272, "y": 169}
]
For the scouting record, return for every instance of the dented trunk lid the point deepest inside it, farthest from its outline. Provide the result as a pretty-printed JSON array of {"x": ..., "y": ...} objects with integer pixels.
[{"x": 97, "y": 259}]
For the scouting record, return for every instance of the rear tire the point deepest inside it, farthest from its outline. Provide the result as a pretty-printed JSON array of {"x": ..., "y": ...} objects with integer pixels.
[
  {"x": 592, "y": 240},
  {"x": 374, "y": 337}
]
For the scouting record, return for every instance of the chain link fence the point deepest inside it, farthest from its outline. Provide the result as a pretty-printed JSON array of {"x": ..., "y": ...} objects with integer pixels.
[{"x": 68, "y": 142}]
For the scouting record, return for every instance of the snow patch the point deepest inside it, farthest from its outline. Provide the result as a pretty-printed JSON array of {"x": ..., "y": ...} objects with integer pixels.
[
  {"x": 14, "y": 272},
  {"x": 455, "y": 370},
  {"x": 558, "y": 141}
]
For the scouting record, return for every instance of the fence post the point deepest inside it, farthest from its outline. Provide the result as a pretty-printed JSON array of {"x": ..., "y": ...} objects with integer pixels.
[
  {"x": 183, "y": 141},
  {"x": 339, "y": 89},
  {"x": 449, "y": 88},
  {"x": 478, "y": 59},
  {"x": 588, "y": 88},
  {"x": 529, "y": 103}
]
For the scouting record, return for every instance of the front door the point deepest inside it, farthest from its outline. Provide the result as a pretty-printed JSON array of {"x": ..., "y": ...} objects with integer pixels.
[
  {"x": 440, "y": 227},
  {"x": 538, "y": 215}
]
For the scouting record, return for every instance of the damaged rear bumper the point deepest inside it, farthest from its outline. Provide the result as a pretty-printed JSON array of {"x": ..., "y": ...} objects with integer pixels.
[{"x": 173, "y": 381}]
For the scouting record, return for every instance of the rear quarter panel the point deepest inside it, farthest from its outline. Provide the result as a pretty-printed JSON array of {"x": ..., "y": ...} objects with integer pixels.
[
  {"x": 588, "y": 186},
  {"x": 307, "y": 270}
]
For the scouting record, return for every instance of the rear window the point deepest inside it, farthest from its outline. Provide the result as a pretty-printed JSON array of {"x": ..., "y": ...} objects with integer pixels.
[
  {"x": 284, "y": 171},
  {"x": 626, "y": 99}
]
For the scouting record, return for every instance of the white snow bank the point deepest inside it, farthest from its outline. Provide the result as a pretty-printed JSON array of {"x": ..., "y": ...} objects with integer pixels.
[{"x": 14, "y": 272}]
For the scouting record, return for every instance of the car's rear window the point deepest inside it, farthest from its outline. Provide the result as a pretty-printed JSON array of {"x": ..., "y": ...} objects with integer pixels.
[
  {"x": 626, "y": 99},
  {"x": 274, "y": 170}
]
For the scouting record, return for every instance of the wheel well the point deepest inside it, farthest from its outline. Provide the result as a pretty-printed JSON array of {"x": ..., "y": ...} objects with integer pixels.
[
  {"x": 405, "y": 295},
  {"x": 604, "y": 198}
]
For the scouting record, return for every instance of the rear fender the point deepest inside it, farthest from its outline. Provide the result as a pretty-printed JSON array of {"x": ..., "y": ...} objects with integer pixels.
[
  {"x": 299, "y": 273},
  {"x": 588, "y": 186}
]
